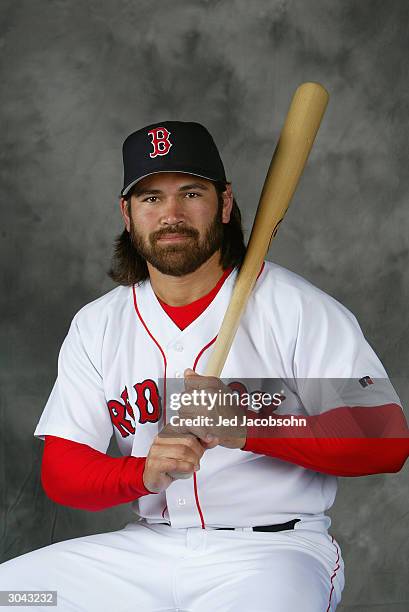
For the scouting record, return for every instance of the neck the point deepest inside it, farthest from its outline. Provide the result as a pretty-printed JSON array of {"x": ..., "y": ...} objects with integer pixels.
[{"x": 181, "y": 290}]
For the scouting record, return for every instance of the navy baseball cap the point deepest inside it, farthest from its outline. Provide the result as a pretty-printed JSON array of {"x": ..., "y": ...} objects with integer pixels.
[{"x": 170, "y": 146}]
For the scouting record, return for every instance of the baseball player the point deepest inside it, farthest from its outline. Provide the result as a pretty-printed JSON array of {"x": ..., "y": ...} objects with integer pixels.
[{"x": 226, "y": 518}]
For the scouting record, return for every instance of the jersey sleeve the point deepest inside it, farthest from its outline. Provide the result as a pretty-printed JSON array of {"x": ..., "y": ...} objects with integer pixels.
[
  {"x": 354, "y": 423},
  {"x": 334, "y": 365},
  {"x": 76, "y": 408}
]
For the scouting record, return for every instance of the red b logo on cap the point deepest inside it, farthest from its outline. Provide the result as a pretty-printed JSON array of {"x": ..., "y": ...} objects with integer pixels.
[{"x": 160, "y": 141}]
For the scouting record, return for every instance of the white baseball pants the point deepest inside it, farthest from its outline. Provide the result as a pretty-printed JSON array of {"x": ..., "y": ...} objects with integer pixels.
[{"x": 156, "y": 568}]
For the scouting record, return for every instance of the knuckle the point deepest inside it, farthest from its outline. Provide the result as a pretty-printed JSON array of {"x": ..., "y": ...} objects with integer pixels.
[
  {"x": 153, "y": 452},
  {"x": 190, "y": 441},
  {"x": 167, "y": 465},
  {"x": 185, "y": 466},
  {"x": 187, "y": 452}
]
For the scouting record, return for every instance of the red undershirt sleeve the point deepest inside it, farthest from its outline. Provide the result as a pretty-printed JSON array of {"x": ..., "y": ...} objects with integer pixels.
[
  {"x": 76, "y": 475},
  {"x": 343, "y": 442}
]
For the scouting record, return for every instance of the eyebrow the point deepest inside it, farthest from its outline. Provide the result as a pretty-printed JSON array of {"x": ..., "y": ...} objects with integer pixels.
[{"x": 140, "y": 192}]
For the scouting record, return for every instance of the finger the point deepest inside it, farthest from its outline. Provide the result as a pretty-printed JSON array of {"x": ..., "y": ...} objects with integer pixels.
[
  {"x": 179, "y": 475},
  {"x": 194, "y": 384},
  {"x": 190, "y": 372},
  {"x": 193, "y": 380},
  {"x": 189, "y": 441},
  {"x": 186, "y": 467},
  {"x": 179, "y": 451},
  {"x": 202, "y": 434},
  {"x": 211, "y": 443},
  {"x": 168, "y": 465},
  {"x": 172, "y": 432}
]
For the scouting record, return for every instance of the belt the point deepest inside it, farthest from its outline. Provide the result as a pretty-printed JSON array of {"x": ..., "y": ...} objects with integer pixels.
[{"x": 279, "y": 527}]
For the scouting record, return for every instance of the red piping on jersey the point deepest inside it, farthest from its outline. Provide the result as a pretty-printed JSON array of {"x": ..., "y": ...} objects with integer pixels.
[
  {"x": 202, "y": 351},
  {"x": 333, "y": 575},
  {"x": 199, "y": 509},
  {"x": 261, "y": 269},
  {"x": 159, "y": 347},
  {"x": 215, "y": 338},
  {"x": 194, "y": 473}
]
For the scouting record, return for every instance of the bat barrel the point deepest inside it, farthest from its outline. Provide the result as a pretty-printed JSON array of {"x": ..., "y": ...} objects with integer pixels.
[{"x": 290, "y": 156}]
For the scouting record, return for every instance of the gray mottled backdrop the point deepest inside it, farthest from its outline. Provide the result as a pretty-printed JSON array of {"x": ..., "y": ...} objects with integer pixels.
[{"x": 76, "y": 78}]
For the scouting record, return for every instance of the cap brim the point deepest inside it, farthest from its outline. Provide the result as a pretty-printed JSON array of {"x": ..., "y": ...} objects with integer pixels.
[{"x": 129, "y": 187}]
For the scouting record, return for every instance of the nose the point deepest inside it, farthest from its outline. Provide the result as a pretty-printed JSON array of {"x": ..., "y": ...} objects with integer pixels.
[{"x": 172, "y": 212}]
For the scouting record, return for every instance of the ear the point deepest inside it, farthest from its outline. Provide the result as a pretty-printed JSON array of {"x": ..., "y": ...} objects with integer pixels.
[
  {"x": 227, "y": 203},
  {"x": 123, "y": 205}
]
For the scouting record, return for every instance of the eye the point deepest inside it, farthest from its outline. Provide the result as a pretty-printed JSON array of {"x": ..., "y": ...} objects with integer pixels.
[
  {"x": 193, "y": 194},
  {"x": 150, "y": 199}
]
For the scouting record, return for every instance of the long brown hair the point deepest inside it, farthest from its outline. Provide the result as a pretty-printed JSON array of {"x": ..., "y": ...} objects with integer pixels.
[{"x": 128, "y": 267}]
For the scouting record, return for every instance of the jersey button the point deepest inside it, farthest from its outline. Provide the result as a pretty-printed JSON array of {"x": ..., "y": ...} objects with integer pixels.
[
  {"x": 179, "y": 347},
  {"x": 181, "y": 501}
]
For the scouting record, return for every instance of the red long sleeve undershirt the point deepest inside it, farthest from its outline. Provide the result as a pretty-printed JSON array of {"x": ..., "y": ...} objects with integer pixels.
[
  {"x": 344, "y": 441},
  {"x": 77, "y": 475}
]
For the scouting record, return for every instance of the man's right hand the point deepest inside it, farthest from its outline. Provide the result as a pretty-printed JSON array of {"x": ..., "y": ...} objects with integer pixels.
[{"x": 171, "y": 454}]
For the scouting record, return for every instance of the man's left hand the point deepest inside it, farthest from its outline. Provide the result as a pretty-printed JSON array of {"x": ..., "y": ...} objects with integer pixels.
[{"x": 214, "y": 414}]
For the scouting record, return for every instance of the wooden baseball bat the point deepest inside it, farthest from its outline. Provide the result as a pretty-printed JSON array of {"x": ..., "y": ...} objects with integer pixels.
[{"x": 289, "y": 159}]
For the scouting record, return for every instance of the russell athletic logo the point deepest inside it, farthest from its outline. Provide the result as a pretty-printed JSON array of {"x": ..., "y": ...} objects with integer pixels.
[
  {"x": 365, "y": 381},
  {"x": 160, "y": 141}
]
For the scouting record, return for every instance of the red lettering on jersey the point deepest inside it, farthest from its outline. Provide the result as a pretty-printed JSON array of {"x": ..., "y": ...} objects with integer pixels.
[
  {"x": 149, "y": 408},
  {"x": 118, "y": 411},
  {"x": 160, "y": 141}
]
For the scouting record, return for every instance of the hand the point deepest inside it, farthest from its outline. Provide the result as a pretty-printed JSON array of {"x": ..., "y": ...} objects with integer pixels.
[
  {"x": 222, "y": 418},
  {"x": 171, "y": 454}
]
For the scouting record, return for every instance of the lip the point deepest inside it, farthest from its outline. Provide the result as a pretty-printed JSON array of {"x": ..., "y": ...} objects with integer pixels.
[{"x": 173, "y": 238}]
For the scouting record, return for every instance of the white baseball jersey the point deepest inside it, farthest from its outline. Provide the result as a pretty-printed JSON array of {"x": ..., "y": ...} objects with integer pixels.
[{"x": 121, "y": 349}]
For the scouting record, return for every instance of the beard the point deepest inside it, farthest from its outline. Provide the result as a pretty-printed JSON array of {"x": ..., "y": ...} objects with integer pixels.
[{"x": 180, "y": 258}]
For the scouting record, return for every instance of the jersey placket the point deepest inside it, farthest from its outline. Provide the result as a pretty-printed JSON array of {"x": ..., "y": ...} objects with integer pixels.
[{"x": 180, "y": 350}]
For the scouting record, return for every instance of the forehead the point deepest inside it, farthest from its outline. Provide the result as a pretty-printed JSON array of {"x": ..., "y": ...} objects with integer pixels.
[{"x": 171, "y": 180}]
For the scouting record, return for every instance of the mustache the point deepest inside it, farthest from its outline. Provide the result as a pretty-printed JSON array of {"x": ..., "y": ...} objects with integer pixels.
[{"x": 180, "y": 231}]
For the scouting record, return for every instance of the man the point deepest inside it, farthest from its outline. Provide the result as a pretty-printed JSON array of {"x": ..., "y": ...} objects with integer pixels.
[{"x": 247, "y": 530}]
